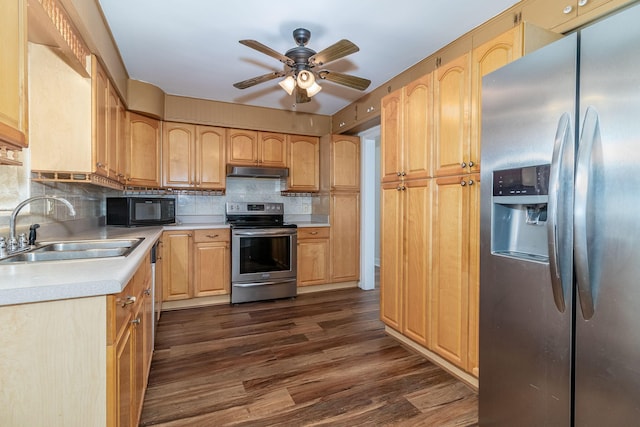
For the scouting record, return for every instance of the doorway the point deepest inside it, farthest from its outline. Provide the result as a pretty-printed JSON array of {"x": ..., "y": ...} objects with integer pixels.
[{"x": 370, "y": 207}]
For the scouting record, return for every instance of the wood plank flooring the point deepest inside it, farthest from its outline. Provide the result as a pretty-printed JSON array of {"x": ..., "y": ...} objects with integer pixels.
[{"x": 322, "y": 359}]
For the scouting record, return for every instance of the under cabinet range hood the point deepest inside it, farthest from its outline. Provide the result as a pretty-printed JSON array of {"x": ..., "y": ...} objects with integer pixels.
[{"x": 256, "y": 172}]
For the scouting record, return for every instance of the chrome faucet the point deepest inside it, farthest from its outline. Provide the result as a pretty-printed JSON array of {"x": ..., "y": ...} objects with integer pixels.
[{"x": 12, "y": 245}]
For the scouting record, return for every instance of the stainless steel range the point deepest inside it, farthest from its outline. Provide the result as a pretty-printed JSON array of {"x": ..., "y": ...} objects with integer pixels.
[{"x": 263, "y": 252}]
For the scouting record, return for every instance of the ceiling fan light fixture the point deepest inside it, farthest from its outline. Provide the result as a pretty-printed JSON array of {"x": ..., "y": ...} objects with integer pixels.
[
  {"x": 314, "y": 89},
  {"x": 305, "y": 79},
  {"x": 288, "y": 84}
]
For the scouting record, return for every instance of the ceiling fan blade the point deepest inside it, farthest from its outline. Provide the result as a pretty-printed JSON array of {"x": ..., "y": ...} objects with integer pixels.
[
  {"x": 257, "y": 80},
  {"x": 301, "y": 96},
  {"x": 345, "y": 79},
  {"x": 335, "y": 51},
  {"x": 267, "y": 50}
]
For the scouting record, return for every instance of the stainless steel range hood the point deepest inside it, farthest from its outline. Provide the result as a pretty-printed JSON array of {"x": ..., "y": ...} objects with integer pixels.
[{"x": 256, "y": 172}]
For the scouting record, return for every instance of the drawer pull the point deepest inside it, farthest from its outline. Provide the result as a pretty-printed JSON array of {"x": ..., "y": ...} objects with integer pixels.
[
  {"x": 129, "y": 300},
  {"x": 136, "y": 321},
  {"x": 313, "y": 233},
  {"x": 212, "y": 236}
]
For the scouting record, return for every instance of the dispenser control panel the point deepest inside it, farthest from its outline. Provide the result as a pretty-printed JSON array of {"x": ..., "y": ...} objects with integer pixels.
[{"x": 525, "y": 181}]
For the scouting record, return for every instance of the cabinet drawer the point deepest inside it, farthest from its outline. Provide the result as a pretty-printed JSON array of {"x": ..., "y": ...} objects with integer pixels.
[
  {"x": 119, "y": 311},
  {"x": 313, "y": 233},
  {"x": 211, "y": 235}
]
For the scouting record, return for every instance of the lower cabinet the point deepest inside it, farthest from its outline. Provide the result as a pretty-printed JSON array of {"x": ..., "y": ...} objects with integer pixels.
[
  {"x": 129, "y": 348},
  {"x": 195, "y": 263},
  {"x": 345, "y": 236},
  {"x": 313, "y": 256}
]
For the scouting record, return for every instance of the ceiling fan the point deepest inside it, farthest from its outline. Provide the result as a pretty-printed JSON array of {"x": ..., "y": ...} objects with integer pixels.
[{"x": 301, "y": 67}]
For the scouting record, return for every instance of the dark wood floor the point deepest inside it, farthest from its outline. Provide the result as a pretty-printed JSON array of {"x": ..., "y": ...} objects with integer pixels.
[{"x": 321, "y": 359}]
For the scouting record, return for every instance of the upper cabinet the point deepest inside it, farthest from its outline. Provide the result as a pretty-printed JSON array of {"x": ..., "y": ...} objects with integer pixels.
[
  {"x": 193, "y": 156},
  {"x": 13, "y": 69},
  {"x": 345, "y": 163},
  {"x": 451, "y": 104},
  {"x": 552, "y": 13},
  {"x": 391, "y": 137},
  {"x": 100, "y": 116},
  {"x": 246, "y": 147},
  {"x": 143, "y": 152},
  {"x": 304, "y": 163}
]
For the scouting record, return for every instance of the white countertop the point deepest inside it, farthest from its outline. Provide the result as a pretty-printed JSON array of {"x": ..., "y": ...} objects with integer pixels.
[{"x": 47, "y": 281}]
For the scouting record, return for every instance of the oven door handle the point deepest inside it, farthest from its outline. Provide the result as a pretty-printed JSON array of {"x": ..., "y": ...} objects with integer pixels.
[
  {"x": 249, "y": 285},
  {"x": 278, "y": 232}
]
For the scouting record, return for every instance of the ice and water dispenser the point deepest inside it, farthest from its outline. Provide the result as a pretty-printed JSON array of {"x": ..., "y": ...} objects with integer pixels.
[{"x": 519, "y": 202}]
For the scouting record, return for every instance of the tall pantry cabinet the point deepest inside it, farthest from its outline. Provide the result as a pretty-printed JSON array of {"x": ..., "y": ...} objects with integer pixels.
[{"x": 430, "y": 198}]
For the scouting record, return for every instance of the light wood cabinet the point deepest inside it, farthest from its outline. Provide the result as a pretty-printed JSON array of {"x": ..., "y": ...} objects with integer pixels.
[
  {"x": 345, "y": 163},
  {"x": 451, "y": 113},
  {"x": 129, "y": 348},
  {"x": 407, "y": 131},
  {"x": 313, "y": 256},
  {"x": 177, "y": 265},
  {"x": 272, "y": 149},
  {"x": 247, "y": 147},
  {"x": 196, "y": 263},
  {"x": 406, "y": 252},
  {"x": 122, "y": 147},
  {"x": 456, "y": 205},
  {"x": 100, "y": 117},
  {"x": 13, "y": 69},
  {"x": 552, "y": 13},
  {"x": 345, "y": 236},
  {"x": 211, "y": 262},
  {"x": 304, "y": 163},
  {"x": 193, "y": 156},
  {"x": 143, "y": 151}
]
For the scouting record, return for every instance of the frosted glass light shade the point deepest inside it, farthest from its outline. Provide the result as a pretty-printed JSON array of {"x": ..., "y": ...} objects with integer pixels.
[
  {"x": 315, "y": 88},
  {"x": 288, "y": 84},
  {"x": 305, "y": 79}
]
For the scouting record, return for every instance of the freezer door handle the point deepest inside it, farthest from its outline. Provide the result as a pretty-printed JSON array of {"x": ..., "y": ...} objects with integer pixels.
[
  {"x": 558, "y": 234},
  {"x": 588, "y": 179}
]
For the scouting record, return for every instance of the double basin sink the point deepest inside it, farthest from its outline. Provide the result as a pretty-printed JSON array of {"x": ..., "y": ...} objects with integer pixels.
[{"x": 75, "y": 250}]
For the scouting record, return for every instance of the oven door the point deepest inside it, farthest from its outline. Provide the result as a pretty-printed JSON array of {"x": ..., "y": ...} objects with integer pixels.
[{"x": 263, "y": 254}]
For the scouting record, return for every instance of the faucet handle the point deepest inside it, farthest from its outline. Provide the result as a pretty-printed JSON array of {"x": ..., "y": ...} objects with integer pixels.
[{"x": 22, "y": 241}]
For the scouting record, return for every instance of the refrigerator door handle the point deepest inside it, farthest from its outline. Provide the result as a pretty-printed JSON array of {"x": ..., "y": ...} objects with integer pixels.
[
  {"x": 559, "y": 205},
  {"x": 587, "y": 172}
]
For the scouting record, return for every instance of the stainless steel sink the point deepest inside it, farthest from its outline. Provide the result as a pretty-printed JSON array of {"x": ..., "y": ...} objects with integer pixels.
[{"x": 74, "y": 250}]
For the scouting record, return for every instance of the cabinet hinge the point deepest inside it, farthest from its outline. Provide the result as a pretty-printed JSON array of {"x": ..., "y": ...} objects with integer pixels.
[{"x": 517, "y": 18}]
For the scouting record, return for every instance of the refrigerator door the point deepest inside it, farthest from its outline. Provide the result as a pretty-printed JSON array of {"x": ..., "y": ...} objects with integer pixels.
[
  {"x": 607, "y": 364},
  {"x": 525, "y": 322}
]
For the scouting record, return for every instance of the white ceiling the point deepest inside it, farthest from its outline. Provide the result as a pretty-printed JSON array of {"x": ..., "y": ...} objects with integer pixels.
[{"x": 190, "y": 47}]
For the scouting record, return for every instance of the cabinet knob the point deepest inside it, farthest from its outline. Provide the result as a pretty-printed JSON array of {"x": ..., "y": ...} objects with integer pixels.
[
  {"x": 471, "y": 182},
  {"x": 212, "y": 236},
  {"x": 567, "y": 9},
  {"x": 399, "y": 173},
  {"x": 136, "y": 321},
  {"x": 471, "y": 164},
  {"x": 463, "y": 165},
  {"x": 189, "y": 235},
  {"x": 99, "y": 165},
  {"x": 583, "y": 3},
  {"x": 404, "y": 173},
  {"x": 129, "y": 300},
  {"x": 147, "y": 291},
  {"x": 463, "y": 183}
]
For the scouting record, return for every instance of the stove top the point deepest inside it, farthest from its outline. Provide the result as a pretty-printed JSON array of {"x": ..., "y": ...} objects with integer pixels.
[{"x": 256, "y": 215}]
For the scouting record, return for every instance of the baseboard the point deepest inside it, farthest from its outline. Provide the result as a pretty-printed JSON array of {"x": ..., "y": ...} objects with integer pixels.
[
  {"x": 226, "y": 299},
  {"x": 463, "y": 376}
]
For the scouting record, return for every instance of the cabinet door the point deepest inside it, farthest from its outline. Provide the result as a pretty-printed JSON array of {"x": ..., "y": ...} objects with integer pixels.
[
  {"x": 211, "y": 266},
  {"x": 242, "y": 147},
  {"x": 450, "y": 280},
  {"x": 122, "y": 144},
  {"x": 272, "y": 149},
  {"x": 143, "y": 151},
  {"x": 304, "y": 163},
  {"x": 452, "y": 87},
  {"x": 210, "y": 157},
  {"x": 13, "y": 69},
  {"x": 391, "y": 136},
  {"x": 313, "y": 256},
  {"x": 113, "y": 123},
  {"x": 137, "y": 331},
  {"x": 417, "y": 260},
  {"x": 418, "y": 129},
  {"x": 100, "y": 113},
  {"x": 345, "y": 237},
  {"x": 176, "y": 265},
  {"x": 391, "y": 255},
  {"x": 178, "y": 149},
  {"x": 124, "y": 379},
  {"x": 474, "y": 272},
  {"x": 345, "y": 163},
  {"x": 486, "y": 58}
]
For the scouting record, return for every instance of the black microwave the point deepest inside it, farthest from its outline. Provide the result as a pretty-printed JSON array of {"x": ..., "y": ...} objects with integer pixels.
[{"x": 135, "y": 211}]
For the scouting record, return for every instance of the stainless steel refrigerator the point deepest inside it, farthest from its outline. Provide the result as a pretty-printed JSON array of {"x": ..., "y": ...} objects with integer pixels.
[{"x": 560, "y": 232}]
